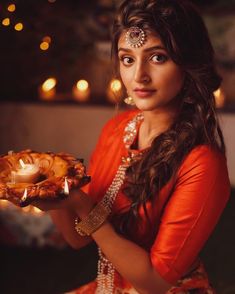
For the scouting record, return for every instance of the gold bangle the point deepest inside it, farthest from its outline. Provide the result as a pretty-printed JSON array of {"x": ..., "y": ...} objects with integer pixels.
[{"x": 93, "y": 220}]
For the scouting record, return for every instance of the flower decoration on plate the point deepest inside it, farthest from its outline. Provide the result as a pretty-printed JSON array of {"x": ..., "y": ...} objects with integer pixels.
[{"x": 28, "y": 175}]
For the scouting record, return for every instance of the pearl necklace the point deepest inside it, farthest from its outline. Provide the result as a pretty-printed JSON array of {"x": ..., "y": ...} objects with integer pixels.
[{"x": 106, "y": 270}]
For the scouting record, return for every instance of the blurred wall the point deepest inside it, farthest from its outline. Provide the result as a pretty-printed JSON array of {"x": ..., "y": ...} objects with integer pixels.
[{"x": 72, "y": 128}]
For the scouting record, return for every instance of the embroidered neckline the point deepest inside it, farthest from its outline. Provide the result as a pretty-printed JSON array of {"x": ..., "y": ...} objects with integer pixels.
[
  {"x": 129, "y": 137},
  {"x": 131, "y": 130}
]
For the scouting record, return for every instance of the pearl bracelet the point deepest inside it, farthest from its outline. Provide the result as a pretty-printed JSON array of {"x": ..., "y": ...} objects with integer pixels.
[{"x": 93, "y": 220}]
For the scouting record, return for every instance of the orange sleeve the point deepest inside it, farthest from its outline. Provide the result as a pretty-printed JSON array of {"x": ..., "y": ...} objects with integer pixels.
[{"x": 200, "y": 195}]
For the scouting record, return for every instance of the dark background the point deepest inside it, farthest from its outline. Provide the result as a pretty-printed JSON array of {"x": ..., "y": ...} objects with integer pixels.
[{"x": 75, "y": 27}]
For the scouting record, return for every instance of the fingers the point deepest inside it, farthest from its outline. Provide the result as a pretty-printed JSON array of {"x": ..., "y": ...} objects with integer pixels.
[{"x": 15, "y": 200}]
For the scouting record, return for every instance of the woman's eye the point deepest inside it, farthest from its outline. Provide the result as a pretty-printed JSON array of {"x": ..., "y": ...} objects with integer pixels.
[
  {"x": 126, "y": 60},
  {"x": 159, "y": 58}
]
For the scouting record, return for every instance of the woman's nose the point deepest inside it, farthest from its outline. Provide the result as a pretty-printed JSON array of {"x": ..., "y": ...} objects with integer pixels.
[{"x": 141, "y": 74}]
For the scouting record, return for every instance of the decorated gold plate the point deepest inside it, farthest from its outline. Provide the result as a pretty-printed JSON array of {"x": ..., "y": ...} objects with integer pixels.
[{"x": 28, "y": 175}]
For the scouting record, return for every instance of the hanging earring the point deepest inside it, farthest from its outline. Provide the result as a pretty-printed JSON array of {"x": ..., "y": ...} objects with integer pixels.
[{"x": 129, "y": 101}]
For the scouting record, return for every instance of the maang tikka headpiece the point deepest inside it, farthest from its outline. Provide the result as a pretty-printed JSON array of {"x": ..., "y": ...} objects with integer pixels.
[{"x": 135, "y": 37}]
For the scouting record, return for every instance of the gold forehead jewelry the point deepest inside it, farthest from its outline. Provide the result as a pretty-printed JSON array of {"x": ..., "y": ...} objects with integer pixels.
[{"x": 135, "y": 37}]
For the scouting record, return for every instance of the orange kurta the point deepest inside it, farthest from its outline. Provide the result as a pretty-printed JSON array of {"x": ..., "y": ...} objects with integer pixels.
[{"x": 184, "y": 214}]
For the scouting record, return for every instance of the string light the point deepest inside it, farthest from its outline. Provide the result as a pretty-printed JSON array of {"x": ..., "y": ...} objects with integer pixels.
[
  {"x": 11, "y": 7},
  {"x": 19, "y": 26},
  {"x": 6, "y": 21}
]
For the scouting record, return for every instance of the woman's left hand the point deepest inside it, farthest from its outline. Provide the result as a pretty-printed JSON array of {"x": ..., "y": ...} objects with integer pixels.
[{"x": 77, "y": 201}]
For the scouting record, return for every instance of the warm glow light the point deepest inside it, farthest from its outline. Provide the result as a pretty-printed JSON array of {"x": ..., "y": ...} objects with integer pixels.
[
  {"x": 6, "y": 21},
  {"x": 36, "y": 210},
  {"x": 115, "y": 85},
  {"x": 46, "y": 39},
  {"x": 47, "y": 90},
  {"x": 49, "y": 84},
  {"x": 19, "y": 26},
  {"x": 82, "y": 85},
  {"x": 26, "y": 209},
  {"x": 66, "y": 187},
  {"x": 81, "y": 91},
  {"x": 11, "y": 7},
  {"x": 52, "y": 1},
  {"x": 44, "y": 46},
  {"x": 24, "y": 197},
  {"x": 22, "y": 164},
  {"x": 114, "y": 91},
  {"x": 3, "y": 203},
  {"x": 219, "y": 98}
]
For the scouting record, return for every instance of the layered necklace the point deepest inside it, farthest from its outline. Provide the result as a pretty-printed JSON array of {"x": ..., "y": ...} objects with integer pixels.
[{"x": 106, "y": 270}]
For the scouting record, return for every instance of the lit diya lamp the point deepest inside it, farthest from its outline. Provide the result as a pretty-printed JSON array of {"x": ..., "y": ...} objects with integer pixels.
[
  {"x": 27, "y": 173},
  {"x": 66, "y": 187}
]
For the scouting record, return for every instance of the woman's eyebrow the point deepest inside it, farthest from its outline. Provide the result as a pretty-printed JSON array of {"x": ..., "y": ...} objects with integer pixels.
[{"x": 145, "y": 50}]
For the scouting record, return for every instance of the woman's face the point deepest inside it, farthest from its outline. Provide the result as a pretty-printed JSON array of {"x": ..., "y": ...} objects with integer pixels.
[{"x": 150, "y": 76}]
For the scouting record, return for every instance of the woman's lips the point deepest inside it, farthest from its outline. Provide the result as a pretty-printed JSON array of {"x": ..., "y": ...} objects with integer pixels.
[{"x": 144, "y": 93}]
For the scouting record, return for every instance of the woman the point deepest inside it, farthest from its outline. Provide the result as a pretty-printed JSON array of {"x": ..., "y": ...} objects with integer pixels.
[{"x": 159, "y": 176}]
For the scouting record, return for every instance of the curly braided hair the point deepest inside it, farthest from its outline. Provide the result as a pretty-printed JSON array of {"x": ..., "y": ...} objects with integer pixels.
[{"x": 185, "y": 37}]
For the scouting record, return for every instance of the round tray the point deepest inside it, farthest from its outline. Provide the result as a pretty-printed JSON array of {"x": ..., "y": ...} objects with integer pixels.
[{"x": 57, "y": 174}]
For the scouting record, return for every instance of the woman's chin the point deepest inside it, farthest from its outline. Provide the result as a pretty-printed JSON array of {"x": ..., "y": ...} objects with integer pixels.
[{"x": 146, "y": 105}]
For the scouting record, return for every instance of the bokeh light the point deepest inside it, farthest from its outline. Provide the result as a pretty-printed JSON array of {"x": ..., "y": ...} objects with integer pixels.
[
  {"x": 49, "y": 84},
  {"x": 44, "y": 46},
  {"x": 6, "y": 21},
  {"x": 115, "y": 85},
  {"x": 19, "y": 26},
  {"x": 11, "y": 7},
  {"x": 82, "y": 85}
]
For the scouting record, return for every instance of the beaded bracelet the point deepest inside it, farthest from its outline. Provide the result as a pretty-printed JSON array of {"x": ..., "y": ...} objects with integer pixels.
[{"x": 93, "y": 220}]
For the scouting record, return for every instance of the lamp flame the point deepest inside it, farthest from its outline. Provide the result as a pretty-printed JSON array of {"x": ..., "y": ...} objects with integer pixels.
[
  {"x": 24, "y": 197},
  {"x": 22, "y": 164},
  {"x": 66, "y": 187}
]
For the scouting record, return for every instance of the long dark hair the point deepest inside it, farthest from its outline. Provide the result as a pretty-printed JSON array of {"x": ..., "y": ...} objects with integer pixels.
[{"x": 185, "y": 37}]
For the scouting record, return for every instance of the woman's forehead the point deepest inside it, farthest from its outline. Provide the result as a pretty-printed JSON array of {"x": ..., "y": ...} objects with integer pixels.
[{"x": 152, "y": 39}]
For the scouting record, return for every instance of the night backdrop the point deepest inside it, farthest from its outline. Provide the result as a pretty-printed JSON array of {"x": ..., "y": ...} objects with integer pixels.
[
  {"x": 79, "y": 45},
  {"x": 34, "y": 257}
]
